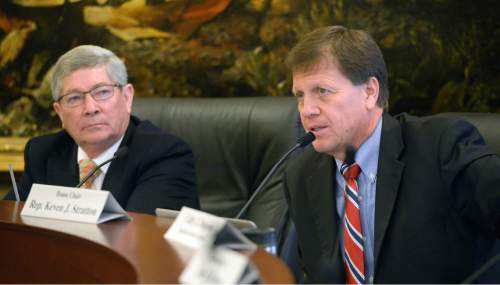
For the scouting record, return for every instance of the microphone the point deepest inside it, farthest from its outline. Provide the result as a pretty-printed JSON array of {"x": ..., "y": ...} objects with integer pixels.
[
  {"x": 305, "y": 140},
  {"x": 14, "y": 184},
  {"x": 301, "y": 142},
  {"x": 121, "y": 152}
]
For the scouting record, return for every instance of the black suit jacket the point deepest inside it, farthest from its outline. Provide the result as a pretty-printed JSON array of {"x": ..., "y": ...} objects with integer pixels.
[
  {"x": 159, "y": 170},
  {"x": 438, "y": 191}
]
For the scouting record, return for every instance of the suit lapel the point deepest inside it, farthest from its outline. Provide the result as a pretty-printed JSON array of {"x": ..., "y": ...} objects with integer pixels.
[
  {"x": 113, "y": 181},
  {"x": 61, "y": 170},
  {"x": 390, "y": 170},
  {"x": 320, "y": 189}
]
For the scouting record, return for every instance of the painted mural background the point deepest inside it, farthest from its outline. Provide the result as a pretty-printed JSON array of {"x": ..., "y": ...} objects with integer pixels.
[{"x": 442, "y": 55}]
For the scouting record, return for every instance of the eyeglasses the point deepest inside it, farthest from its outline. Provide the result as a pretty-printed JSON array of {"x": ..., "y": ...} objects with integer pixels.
[{"x": 99, "y": 93}]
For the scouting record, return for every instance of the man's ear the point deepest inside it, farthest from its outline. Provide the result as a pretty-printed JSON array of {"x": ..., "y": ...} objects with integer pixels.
[
  {"x": 57, "y": 108},
  {"x": 372, "y": 91},
  {"x": 128, "y": 92}
]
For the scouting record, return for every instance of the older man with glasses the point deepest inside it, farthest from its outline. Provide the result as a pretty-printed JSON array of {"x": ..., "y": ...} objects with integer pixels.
[{"x": 94, "y": 101}]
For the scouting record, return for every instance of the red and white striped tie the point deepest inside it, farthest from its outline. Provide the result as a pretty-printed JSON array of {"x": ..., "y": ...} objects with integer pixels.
[{"x": 353, "y": 232}]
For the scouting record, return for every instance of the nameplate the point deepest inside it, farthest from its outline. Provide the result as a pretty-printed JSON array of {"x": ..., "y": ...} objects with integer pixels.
[
  {"x": 72, "y": 204},
  {"x": 195, "y": 229},
  {"x": 214, "y": 266}
]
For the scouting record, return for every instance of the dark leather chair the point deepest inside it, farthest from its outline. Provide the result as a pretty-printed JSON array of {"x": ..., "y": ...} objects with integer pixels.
[
  {"x": 488, "y": 125},
  {"x": 235, "y": 141}
]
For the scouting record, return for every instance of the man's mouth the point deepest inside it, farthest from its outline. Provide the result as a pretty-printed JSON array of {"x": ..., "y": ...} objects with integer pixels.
[
  {"x": 94, "y": 125},
  {"x": 316, "y": 129}
]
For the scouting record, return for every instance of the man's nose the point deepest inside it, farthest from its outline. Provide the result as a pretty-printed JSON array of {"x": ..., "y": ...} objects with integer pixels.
[
  {"x": 90, "y": 106},
  {"x": 309, "y": 106}
]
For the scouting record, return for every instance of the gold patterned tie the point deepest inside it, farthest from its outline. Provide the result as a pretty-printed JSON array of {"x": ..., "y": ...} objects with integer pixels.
[{"x": 86, "y": 166}]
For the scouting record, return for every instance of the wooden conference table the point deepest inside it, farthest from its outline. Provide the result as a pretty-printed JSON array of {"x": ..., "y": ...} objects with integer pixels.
[{"x": 35, "y": 250}]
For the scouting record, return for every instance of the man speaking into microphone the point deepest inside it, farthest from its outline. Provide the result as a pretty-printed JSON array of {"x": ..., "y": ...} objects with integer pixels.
[
  {"x": 148, "y": 169},
  {"x": 418, "y": 195}
]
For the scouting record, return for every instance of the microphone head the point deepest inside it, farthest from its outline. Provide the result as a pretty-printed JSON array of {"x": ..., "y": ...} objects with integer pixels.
[
  {"x": 121, "y": 152},
  {"x": 350, "y": 153},
  {"x": 306, "y": 139}
]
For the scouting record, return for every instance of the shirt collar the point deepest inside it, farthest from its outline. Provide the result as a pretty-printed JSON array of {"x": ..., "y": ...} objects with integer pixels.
[
  {"x": 367, "y": 155},
  {"x": 107, "y": 154}
]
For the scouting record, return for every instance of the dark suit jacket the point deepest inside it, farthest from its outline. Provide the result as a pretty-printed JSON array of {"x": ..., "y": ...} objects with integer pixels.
[
  {"x": 158, "y": 171},
  {"x": 438, "y": 190}
]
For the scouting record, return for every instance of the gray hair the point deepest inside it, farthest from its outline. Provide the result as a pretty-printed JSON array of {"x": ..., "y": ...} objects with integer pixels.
[{"x": 87, "y": 56}]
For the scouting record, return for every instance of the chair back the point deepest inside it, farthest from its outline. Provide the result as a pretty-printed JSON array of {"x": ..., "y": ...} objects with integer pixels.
[
  {"x": 488, "y": 125},
  {"x": 235, "y": 142}
]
